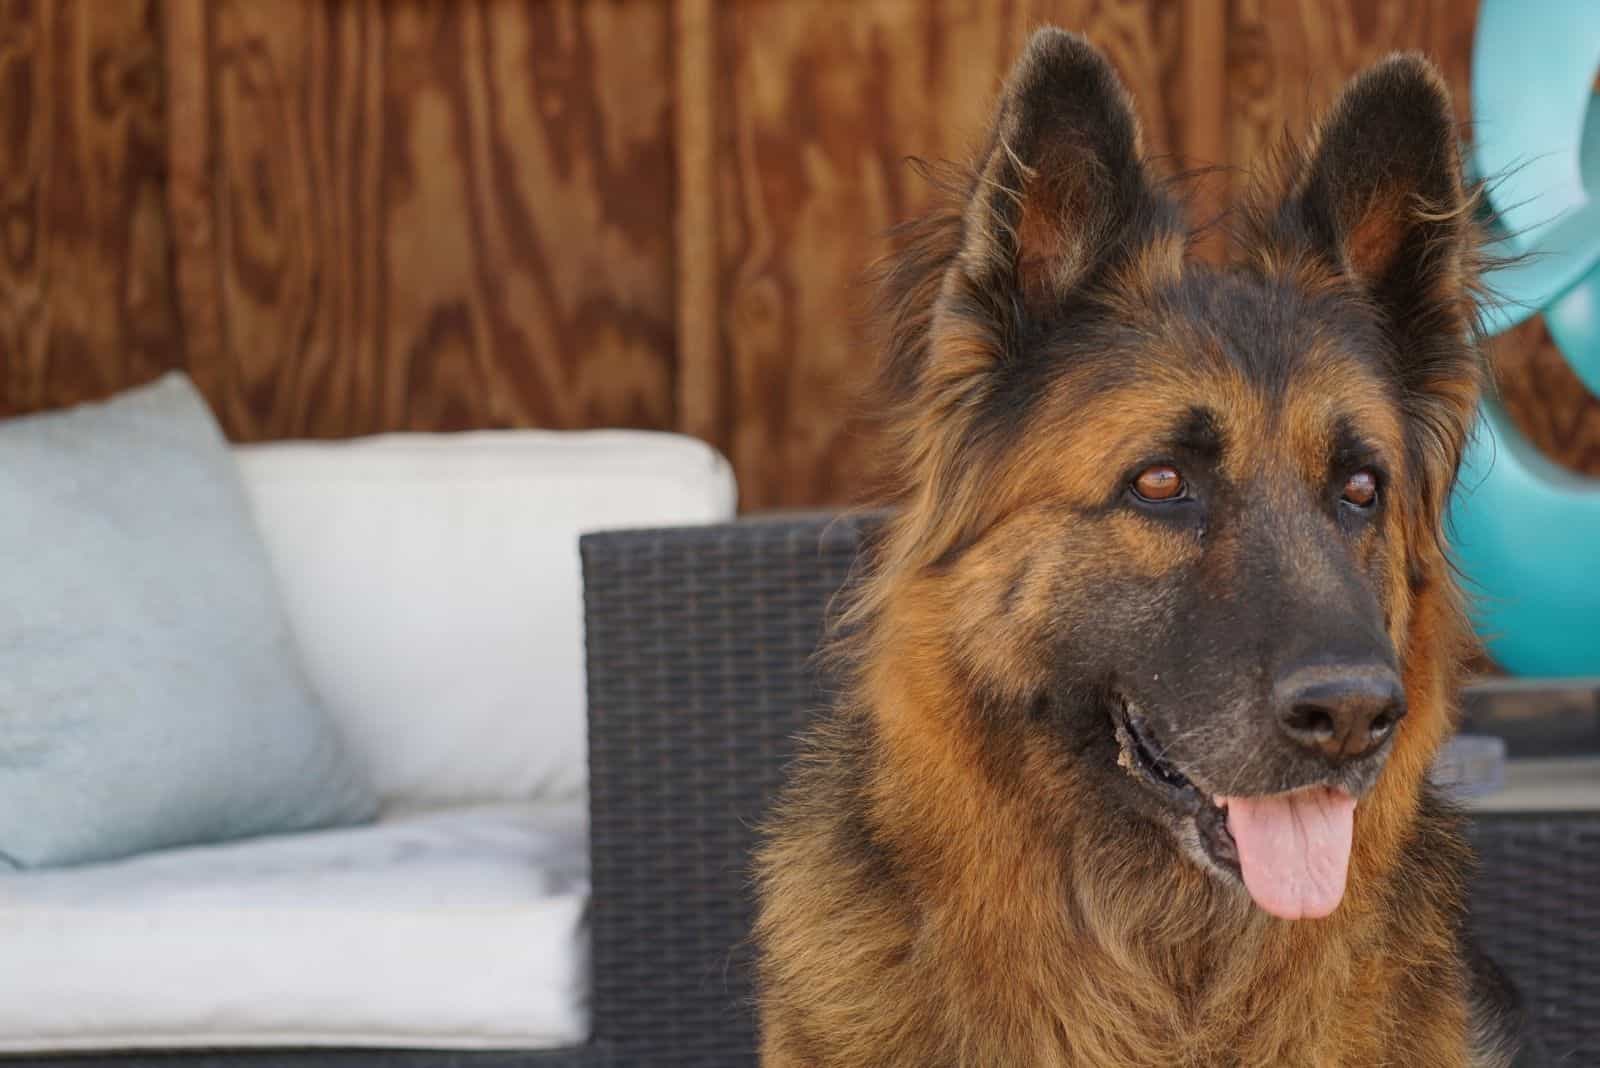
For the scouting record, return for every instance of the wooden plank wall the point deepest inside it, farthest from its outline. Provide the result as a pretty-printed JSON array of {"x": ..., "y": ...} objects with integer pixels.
[
  {"x": 86, "y": 298},
  {"x": 818, "y": 107},
  {"x": 351, "y": 216},
  {"x": 424, "y": 216}
]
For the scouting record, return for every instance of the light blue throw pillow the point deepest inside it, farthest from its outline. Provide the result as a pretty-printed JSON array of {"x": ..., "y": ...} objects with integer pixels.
[{"x": 150, "y": 694}]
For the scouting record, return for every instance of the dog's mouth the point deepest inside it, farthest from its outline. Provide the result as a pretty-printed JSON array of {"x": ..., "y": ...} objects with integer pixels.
[
  {"x": 1142, "y": 756},
  {"x": 1290, "y": 850}
]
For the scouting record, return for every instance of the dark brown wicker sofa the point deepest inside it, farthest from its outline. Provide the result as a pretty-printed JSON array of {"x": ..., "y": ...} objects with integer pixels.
[{"x": 701, "y": 671}]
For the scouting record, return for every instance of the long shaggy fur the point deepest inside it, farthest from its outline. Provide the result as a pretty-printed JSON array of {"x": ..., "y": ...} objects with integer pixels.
[{"x": 955, "y": 877}]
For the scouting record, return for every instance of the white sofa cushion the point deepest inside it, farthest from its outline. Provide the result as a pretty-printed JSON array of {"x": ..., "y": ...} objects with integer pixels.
[
  {"x": 452, "y": 929},
  {"x": 433, "y": 584}
]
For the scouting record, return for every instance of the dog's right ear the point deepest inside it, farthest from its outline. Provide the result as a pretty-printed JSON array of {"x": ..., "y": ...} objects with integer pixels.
[
  {"x": 1059, "y": 204},
  {"x": 1062, "y": 188},
  {"x": 1061, "y": 209}
]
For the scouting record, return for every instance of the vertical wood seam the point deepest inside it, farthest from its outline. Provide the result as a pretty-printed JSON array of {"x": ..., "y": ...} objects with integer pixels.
[
  {"x": 1205, "y": 80},
  {"x": 1205, "y": 136},
  {"x": 187, "y": 60},
  {"x": 700, "y": 401}
]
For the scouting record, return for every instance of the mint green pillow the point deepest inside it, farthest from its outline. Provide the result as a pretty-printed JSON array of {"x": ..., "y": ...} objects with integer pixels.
[{"x": 150, "y": 694}]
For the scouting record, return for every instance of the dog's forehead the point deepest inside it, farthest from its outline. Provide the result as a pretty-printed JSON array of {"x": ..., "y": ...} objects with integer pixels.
[
  {"x": 1283, "y": 372},
  {"x": 1281, "y": 376}
]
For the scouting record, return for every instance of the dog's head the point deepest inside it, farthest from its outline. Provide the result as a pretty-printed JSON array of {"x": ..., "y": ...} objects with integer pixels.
[{"x": 1180, "y": 524}]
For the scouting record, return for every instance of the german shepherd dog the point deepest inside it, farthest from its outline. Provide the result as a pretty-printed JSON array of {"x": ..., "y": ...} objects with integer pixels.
[{"x": 1151, "y": 662}]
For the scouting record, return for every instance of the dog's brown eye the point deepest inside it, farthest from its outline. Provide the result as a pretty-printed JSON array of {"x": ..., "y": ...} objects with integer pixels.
[
  {"x": 1159, "y": 483},
  {"x": 1361, "y": 489}
]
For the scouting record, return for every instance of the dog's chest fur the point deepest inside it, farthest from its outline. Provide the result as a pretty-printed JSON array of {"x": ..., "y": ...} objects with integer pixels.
[{"x": 1135, "y": 967}]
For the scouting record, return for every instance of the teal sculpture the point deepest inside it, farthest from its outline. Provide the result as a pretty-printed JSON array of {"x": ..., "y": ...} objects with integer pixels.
[{"x": 1525, "y": 531}]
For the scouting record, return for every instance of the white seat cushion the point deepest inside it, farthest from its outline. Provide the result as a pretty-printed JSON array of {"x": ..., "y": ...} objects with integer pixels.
[
  {"x": 452, "y": 929},
  {"x": 432, "y": 581}
]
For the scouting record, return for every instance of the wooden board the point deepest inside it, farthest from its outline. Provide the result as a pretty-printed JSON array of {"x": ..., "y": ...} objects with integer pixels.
[
  {"x": 354, "y": 217},
  {"x": 819, "y": 106},
  {"x": 86, "y": 305},
  {"x": 425, "y": 217}
]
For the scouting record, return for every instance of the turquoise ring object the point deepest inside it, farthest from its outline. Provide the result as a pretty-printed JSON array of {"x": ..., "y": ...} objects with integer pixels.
[{"x": 1525, "y": 531}]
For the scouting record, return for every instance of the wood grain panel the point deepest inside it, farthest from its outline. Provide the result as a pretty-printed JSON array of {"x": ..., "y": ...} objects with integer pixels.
[
  {"x": 428, "y": 216},
  {"x": 820, "y": 105},
  {"x": 403, "y": 215},
  {"x": 1199, "y": 107},
  {"x": 702, "y": 388},
  {"x": 85, "y": 297}
]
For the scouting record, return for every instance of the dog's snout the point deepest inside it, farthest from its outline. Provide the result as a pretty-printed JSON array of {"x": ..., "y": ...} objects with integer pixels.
[{"x": 1342, "y": 711}]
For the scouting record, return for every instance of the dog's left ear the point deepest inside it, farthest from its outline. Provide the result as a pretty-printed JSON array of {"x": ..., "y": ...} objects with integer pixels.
[
  {"x": 1380, "y": 199},
  {"x": 1381, "y": 193}
]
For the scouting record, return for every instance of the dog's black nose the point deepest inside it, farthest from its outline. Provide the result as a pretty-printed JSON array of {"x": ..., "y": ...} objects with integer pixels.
[{"x": 1342, "y": 711}]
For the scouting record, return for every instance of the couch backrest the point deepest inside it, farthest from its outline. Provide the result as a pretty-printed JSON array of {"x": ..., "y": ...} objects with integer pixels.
[{"x": 433, "y": 584}]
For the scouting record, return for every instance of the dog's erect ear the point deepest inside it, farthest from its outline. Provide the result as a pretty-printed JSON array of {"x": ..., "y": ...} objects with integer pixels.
[
  {"x": 1061, "y": 183},
  {"x": 1059, "y": 206},
  {"x": 1381, "y": 197},
  {"x": 1381, "y": 200}
]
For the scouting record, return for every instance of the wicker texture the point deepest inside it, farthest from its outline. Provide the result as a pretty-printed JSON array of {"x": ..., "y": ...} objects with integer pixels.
[
  {"x": 700, "y": 653},
  {"x": 1536, "y": 911}
]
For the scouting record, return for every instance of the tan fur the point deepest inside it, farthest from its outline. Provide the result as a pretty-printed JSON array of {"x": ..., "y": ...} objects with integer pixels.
[
  {"x": 1019, "y": 962},
  {"x": 1016, "y": 929}
]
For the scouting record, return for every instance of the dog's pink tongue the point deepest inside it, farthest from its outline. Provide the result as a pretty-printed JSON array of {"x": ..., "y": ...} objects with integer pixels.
[{"x": 1294, "y": 849}]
